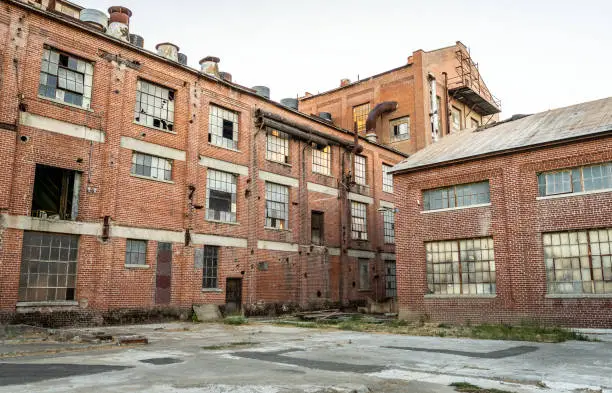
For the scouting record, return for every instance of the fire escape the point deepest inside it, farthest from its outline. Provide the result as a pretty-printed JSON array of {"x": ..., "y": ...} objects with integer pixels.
[{"x": 469, "y": 89}]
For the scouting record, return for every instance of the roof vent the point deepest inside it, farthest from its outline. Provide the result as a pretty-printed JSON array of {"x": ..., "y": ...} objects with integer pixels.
[
  {"x": 210, "y": 65},
  {"x": 325, "y": 116},
  {"x": 345, "y": 82},
  {"x": 372, "y": 137},
  {"x": 119, "y": 23},
  {"x": 95, "y": 18},
  {"x": 263, "y": 91},
  {"x": 290, "y": 103},
  {"x": 137, "y": 40},
  {"x": 182, "y": 58},
  {"x": 167, "y": 50},
  {"x": 226, "y": 76}
]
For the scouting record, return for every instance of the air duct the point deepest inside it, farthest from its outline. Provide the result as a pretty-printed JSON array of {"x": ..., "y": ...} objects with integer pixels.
[
  {"x": 137, "y": 40},
  {"x": 290, "y": 103},
  {"x": 210, "y": 65},
  {"x": 182, "y": 58},
  {"x": 95, "y": 18},
  {"x": 167, "y": 50},
  {"x": 226, "y": 76},
  {"x": 263, "y": 91},
  {"x": 119, "y": 23}
]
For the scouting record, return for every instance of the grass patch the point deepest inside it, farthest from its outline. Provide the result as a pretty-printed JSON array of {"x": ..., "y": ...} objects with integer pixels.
[
  {"x": 235, "y": 320},
  {"x": 525, "y": 333},
  {"x": 229, "y": 345},
  {"x": 469, "y": 388}
]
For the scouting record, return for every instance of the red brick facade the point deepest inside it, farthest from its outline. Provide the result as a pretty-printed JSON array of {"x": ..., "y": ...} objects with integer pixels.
[
  {"x": 516, "y": 219},
  {"x": 280, "y": 269}
]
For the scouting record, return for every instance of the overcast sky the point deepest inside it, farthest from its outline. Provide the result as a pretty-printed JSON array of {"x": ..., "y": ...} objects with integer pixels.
[{"x": 533, "y": 54}]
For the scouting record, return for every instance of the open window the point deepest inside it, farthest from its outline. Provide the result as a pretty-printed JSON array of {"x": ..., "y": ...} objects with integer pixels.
[
  {"x": 56, "y": 193},
  {"x": 316, "y": 227}
]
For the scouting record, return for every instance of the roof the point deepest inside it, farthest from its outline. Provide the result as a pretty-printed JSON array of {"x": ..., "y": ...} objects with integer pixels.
[{"x": 585, "y": 120}]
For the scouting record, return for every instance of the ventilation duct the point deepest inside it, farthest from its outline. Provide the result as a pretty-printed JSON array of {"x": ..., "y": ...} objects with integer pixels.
[
  {"x": 290, "y": 103},
  {"x": 210, "y": 65},
  {"x": 379, "y": 110},
  {"x": 167, "y": 50},
  {"x": 263, "y": 91},
  {"x": 95, "y": 18},
  {"x": 182, "y": 58},
  {"x": 137, "y": 40},
  {"x": 119, "y": 23},
  {"x": 226, "y": 76}
]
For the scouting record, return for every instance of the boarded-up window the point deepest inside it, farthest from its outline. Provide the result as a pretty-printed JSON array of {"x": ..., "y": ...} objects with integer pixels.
[{"x": 461, "y": 267}]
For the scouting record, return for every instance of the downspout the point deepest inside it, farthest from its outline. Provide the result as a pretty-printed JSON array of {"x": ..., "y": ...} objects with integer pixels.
[{"x": 445, "y": 75}]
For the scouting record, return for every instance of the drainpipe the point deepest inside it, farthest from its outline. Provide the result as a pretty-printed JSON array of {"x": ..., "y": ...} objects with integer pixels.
[{"x": 446, "y": 103}]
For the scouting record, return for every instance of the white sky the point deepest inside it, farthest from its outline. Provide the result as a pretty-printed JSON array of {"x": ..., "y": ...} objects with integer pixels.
[{"x": 533, "y": 54}]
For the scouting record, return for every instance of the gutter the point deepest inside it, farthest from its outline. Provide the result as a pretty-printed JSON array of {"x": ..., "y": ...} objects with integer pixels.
[
  {"x": 499, "y": 153},
  {"x": 80, "y": 25}
]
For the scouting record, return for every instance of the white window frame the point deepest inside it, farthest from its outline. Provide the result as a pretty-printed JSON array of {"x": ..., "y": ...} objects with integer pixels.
[
  {"x": 360, "y": 169},
  {"x": 387, "y": 185},
  {"x": 321, "y": 160}
]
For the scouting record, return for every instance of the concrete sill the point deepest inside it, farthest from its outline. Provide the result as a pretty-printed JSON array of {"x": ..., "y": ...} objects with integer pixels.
[
  {"x": 574, "y": 194},
  {"x": 213, "y": 290},
  {"x": 134, "y": 266},
  {"x": 279, "y": 163},
  {"x": 442, "y": 296},
  {"x": 63, "y": 303},
  {"x": 154, "y": 128},
  {"x": 153, "y": 179},
  {"x": 388, "y": 192},
  {"x": 65, "y": 103},
  {"x": 579, "y": 296},
  {"x": 323, "y": 174},
  {"x": 455, "y": 208},
  {"x": 223, "y": 147},
  {"x": 222, "y": 222},
  {"x": 277, "y": 229}
]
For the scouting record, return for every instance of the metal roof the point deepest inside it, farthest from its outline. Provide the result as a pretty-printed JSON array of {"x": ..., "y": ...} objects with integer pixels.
[{"x": 550, "y": 127}]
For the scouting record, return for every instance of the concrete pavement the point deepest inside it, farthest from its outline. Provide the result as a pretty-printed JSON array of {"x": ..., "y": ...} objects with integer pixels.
[{"x": 267, "y": 359}]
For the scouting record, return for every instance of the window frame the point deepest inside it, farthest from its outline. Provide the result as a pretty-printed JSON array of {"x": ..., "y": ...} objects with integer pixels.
[
  {"x": 358, "y": 208},
  {"x": 216, "y": 180},
  {"x": 277, "y": 222},
  {"x": 321, "y": 160},
  {"x": 386, "y": 187},
  {"x": 359, "y": 116},
  {"x": 164, "y": 169},
  {"x": 453, "y": 195},
  {"x": 458, "y": 111},
  {"x": 216, "y": 114},
  {"x": 395, "y": 124},
  {"x": 140, "y": 252},
  {"x": 577, "y": 181},
  {"x": 210, "y": 260},
  {"x": 360, "y": 176},
  {"x": 165, "y": 124},
  {"x": 280, "y": 146},
  {"x": 390, "y": 290},
  {"x": 389, "y": 226},
  {"x": 321, "y": 228}
]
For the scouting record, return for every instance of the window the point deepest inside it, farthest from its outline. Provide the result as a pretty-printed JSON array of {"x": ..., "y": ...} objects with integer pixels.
[
  {"x": 364, "y": 274},
  {"x": 321, "y": 162},
  {"x": 316, "y": 228},
  {"x": 277, "y": 206},
  {"x": 150, "y": 166},
  {"x": 461, "y": 267},
  {"x": 277, "y": 146},
  {"x": 154, "y": 106},
  {"x": 56, "y": 193},
  {"x": 136, "y": 252},
  {"x": 65, "y": 78},
  {"x": 48, "y": 267},
  {"x": 209, "y": 273},
  {"x": 221, "y": 196},
  {"x": 389, "y": 226},
  {"x": 455, "y": 119},
  {"x": 387, "y": 178},
  {"x": 360, "y": 170},
  {"x": 360, "y": 115},
  {"x": 578, "y": 261},
  {"x": 578, "y": 179},
  {"x": 359, "y": 224},
  {"x": 390, "y": 280},
  {"x": 475, "y": 123},
  {"x": 457, "y": 196},
  {"x": 223, "y": 127},
  {"x": 400, "y": 129}
]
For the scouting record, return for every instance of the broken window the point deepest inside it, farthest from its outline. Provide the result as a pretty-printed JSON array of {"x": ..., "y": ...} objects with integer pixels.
[
  {"x": 456, "y": 119},
  {"x": 457, "y": 196},
  {"x": 65, "y": 78},
  {"x": 316, "y": 228},
  {"x": 578, "y": 261},
  {"x": 359, "y": 224},
  {"x": 277, "y": 146},
  {"x": 360, "y": 115},
  {"x": 389, "y": 226},
  {"x": 461, "y": 267},
  {"x": 151, "y": 166},
  {"x": 56, "y": 193},
  {"x": 364, "y": 273},
  {"x": 360, "y": 170},
  {"x": 321, "y": 160},
  {"x": 210, "y": 267},
  {"x": 223, "y": 127},
  {"x": 277, "y": 206},
  {"x": 578, "y": 179},
  {"x": 400, "y": 128},
  {"x": 390, "y": 280},
  {"x": 48, "y": 267},
  {"x": 221, "y": 196},
  {"x": 154, "y": 106},
  {"x": 135, "y": 252},
  {"x": 387, "y": 178}
]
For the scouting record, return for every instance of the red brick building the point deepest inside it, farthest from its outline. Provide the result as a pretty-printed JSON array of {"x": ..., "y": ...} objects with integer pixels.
[
  {"x": 130, "y": 182},
  {"x": 511, "y": 222},
  {"x": 434, "y": 94}
]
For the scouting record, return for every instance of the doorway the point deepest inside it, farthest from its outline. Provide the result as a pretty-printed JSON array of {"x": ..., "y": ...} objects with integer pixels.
[
  {"x": 233, "y": 295},
  {"x": 163, "y": 279}
]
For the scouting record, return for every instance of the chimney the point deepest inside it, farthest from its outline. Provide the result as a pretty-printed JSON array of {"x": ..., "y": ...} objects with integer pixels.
[
  {"x": 345, "y": 82},
  {"x": 119, "y": 23},
  {"x": 210, "y": 65},
  {"x": 263, "y": 91},
  {"x": 167, "y": 50},
  {"x": 226, "y": 76}
]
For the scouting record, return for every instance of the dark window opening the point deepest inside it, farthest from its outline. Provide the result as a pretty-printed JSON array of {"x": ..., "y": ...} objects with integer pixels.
[
  {"x": 228, "y": 129},
  {"x": 209, "y": 274},
  {"x": 220, "y": 201},
  {"x": 316, "y": 228},
  {"x": 56, "y": 193}
]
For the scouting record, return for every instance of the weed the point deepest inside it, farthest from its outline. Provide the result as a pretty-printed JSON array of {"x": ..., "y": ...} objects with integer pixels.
[{"x": 235, "y": 320}]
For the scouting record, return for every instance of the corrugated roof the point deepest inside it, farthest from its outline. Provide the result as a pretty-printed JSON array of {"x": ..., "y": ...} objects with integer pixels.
[{"x": 556, "y": 125}]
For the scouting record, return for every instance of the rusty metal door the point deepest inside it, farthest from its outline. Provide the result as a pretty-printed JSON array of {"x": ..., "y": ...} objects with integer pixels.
[
  {"x": 163, "y": 279},
  {"x": 233, "y": 295}
]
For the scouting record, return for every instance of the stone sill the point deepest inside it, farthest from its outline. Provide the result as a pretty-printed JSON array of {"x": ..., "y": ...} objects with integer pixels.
[
  {"x": 134, "y": 266},
  {"x": 279, "y": 163},
  {"x": 442, "y": 296},
  {"x": 56, "y": 101},
  {"x": 222, "y": 222},
  {"x": 151, "y": 178},
  {"x": 579, "y": 296},
  {"x": 223, "y": 147},
  {"x": 212, "y": 290},
  {"x": 64, "y": 303},
  {"x": 574, "y": 194},
  {"x": 455, "y": 208},
  {"x": 278, "y": 229},
  {"x": 154, "y": 128}
]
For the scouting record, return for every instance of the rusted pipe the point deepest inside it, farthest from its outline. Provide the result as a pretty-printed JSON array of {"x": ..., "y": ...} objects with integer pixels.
[
  {"x": 383, "y": 107},
  {"x": 294, "y": 132}
]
